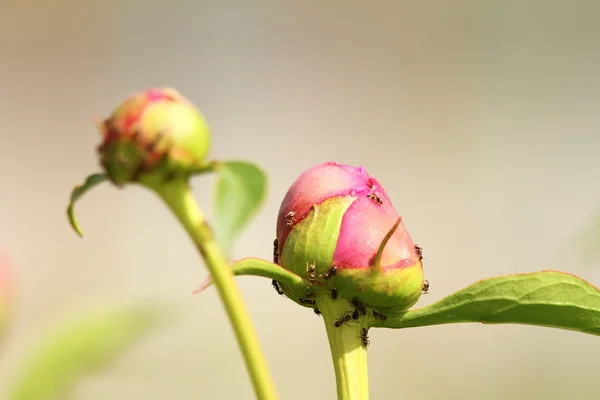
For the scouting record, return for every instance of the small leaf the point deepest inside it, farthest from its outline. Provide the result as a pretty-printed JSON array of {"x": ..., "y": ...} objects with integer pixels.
[
  {"x": 240, "y": 190},
  {"x": 65, "y": 355},
  {"x": 548, "y": 298},
  {"x": 264, "y": 268},
  {"x": 79, "y": 191}
]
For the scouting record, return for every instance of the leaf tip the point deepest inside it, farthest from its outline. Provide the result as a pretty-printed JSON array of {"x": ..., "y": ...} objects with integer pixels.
[{"x": 73, "y": 221}]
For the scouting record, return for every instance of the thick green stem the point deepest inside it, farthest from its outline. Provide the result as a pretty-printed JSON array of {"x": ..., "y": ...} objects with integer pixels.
[
  {"x": 178, "y": 196},
  {"x": 347, "y": 350}
]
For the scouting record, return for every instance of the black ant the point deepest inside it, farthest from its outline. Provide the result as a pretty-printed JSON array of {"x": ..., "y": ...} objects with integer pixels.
[
  {"x": 311, "y": 272},
  {"x": 276, "y": 251},
  {"x": 334, "y": 294},
  {"x": 343, "y": 320},
  {"x": 364, "y": 337},
  {"x": 419, "y": 252},
  {"x": 277, "y": 287},
  {"x": 425, "y": 286},
  {"x": 307, "y": 301},
  {"x": 375, "y": 198},
  {"x": 332, "y": 271},
  {"x": 355, "y": 314},
  {"x": 379, "y": 315},
  {"x": 360, "y": 307},
  {"x": 289, "y": 218},
  {"x": 317, "y": 311}
]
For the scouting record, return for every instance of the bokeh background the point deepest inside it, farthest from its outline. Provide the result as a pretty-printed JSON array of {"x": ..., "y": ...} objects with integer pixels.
[{"x": 481, "y": 118}]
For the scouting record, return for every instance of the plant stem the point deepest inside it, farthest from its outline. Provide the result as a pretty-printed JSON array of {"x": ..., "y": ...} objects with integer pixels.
[
  {"x": 178, "y": 196},
  {"x": 348, "y": 353}
]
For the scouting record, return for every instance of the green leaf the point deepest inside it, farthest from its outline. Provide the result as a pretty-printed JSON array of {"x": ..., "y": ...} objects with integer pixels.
[
  {"x": 240, "y": 190},
  {"x": 547, "y": 298},
  {"x": 67, "y": 354},
  {"x": 264, "y": 268},
  {"x": 79, "y": 191}
]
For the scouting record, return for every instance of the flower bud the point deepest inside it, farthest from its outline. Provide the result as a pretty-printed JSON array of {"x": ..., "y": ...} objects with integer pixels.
[
  {"x": 6, "y": 294},
  {"x": 331, "y": 224},
  {"x": 157, "y": 132}
]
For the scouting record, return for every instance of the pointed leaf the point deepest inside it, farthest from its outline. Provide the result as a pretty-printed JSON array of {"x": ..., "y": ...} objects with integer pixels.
[
  {"x": 79, "y": 191},
  {"x": 547, "y": 298},
  {"x": 264, "y": 268},
  {"x": 64, "y": 356},
  {"x": 240, "y": 191}
]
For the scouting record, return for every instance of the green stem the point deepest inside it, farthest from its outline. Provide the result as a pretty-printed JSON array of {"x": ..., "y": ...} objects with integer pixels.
[
  {"x": 348, "y": 353},
  {"x": 178, "y": 196}
]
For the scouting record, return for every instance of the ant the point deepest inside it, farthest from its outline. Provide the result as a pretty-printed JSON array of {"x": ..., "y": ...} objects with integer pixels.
[
  {"x": 419, "y": 252},
  {"x": 343, "y": 320},
  {"x": 375, "y": 198},
  {"x": 311, "y": 272},
  {"x": 364, "y": 337},
  {"x": 425, "y": 286},
  {"x": 276, "y": 251},
  {"x": 355, "y": 314},
  {"x": 307, "y": 301},
  {"x": 334, "y": 294},
  {"x": 379, "y": 315},
  {"x": 317, "y": 311},
  {"x": 332, "y": 271},
  {"x": 277, "y": 287},
  {"x": 289, "y": 218},
  {"x": 360, "y": 307}
]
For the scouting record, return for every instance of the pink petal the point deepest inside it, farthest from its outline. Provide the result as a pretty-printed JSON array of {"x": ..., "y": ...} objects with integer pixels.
[
  {"x": 364, "y": 227},
  {"x": 315, "y": 185}
]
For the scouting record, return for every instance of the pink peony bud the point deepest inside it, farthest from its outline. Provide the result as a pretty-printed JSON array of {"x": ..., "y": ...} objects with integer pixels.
[
  {"x": 158, "y": 131},
  {"x": 6, "y": 294},
  {"x": 330, "y": 227}
]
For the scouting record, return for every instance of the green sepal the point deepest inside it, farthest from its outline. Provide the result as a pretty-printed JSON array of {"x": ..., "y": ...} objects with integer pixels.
[
  {"x": 547, "y": 298},
  {"x": 314, "y": 239},
  {"x": 79, "y": 191}
]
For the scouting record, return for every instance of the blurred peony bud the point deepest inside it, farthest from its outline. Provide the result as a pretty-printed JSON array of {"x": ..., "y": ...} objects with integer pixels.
[
  {"x": 6, "y": 295},
  {"x": 157, "y": 132},
  {"x": 330, "y": 227}
]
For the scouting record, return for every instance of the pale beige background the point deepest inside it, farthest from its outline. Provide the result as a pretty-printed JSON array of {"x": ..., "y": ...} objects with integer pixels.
[{"x": 481, "y": 119}]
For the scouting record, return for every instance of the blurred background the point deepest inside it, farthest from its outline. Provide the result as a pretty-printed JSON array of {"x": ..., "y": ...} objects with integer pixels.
[{"x": 481, "y": 119}]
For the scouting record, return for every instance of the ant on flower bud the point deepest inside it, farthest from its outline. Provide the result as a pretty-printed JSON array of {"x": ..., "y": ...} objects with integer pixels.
[
  {"x": 360, "y": 307},
  {"x": 289, "y": 218},
  {"x": 419, "y": 252},
  {"x": 379, "y": 315},
  {"x": 277, "y": 287},
  {"x": 343, "y": 320},
  {"x": 364, "y": 337},
  {"x": 332, "y": 271},
  {"x": 317, "y": 311},
  {"x": 425, "y": 286},
  {"x": 311, "y": 272},
  {"x": 334, "y": 294},
  {"x": 276, "y": 251},
  {"x": 307, "y": 301},
  {"x": 375, "y": 198}
]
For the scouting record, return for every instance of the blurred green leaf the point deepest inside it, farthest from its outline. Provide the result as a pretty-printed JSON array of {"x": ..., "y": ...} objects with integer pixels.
[
  {"x": 240, "y": 190},
  {"x": 79, "y": 191},
  {"x": 547, "y": 298},
  {"x": 65, "y": 355},
  {"x": 264, "y": 268}
]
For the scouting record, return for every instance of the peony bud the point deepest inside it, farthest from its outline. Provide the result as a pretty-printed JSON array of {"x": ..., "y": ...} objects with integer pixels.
[
  {"x": 158, "y": 132},
  {"x": 6, "y": 295},
  {"x": 330, "y": 226}
]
